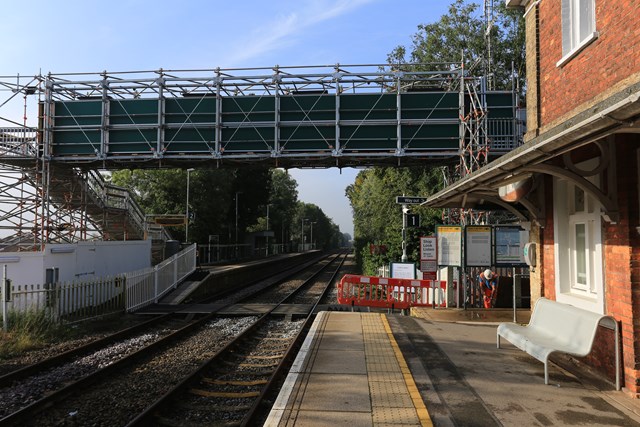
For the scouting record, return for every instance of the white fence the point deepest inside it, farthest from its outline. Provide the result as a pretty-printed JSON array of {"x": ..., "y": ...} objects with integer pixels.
[
  {"x": 147, "y": 286},
  {"x": 71, "y": 301}
]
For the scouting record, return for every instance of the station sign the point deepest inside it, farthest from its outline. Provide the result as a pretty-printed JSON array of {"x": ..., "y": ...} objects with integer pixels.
[
  {"x": 428, "y": 257},
  {"x": 408, "y": 200}
]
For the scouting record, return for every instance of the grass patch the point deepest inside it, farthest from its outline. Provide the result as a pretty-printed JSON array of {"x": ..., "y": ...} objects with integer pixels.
[{"x": 30, "y": 330}]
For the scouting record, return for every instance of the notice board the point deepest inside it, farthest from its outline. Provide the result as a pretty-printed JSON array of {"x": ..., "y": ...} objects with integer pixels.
[
  {"x": 449, "y": 246},
  {"x": 477, "y": 246},
  {"x": 509, "y": 247}
]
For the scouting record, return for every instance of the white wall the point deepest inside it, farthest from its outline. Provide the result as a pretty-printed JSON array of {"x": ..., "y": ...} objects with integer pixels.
[{"x": 77, "y": 261}]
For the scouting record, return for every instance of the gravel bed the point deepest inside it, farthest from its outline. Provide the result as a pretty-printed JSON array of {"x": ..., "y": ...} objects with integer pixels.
[
  {"x": 24, "y": 392},
  {"x": 127, "y": 393},
  {"x": 250, "y": 365},
  {"x": 101, "y": 328}
]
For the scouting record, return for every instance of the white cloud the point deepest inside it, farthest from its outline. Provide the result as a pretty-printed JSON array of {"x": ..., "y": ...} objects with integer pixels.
[{"x": 286, "y": 29}]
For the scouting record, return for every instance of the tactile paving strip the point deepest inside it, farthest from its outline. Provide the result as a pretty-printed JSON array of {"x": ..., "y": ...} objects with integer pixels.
[{"x": 390, "y": 394}]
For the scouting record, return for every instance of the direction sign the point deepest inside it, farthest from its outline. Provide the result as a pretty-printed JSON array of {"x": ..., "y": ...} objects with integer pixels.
[{"x": 408, "y": 200}]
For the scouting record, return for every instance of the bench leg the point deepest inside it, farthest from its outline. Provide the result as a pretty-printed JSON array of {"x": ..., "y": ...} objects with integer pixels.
[
  {"x": 546, "y": 372},
  {"x": 498, "y": 339}
]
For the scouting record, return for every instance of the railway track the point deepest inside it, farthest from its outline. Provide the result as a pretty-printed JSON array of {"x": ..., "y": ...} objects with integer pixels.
[
  {"x": 234, "y": 386},
  {"x": 110, "y": 381}
]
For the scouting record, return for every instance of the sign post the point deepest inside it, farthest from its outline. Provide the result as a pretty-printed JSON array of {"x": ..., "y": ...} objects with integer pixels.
[
  {"x": 5, "y": 298},
  {"x": 404, "y": 201}
]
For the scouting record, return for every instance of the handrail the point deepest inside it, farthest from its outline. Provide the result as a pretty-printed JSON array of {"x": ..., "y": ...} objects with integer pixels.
[
  {"x": 112, "y": 196},
  {"x": 18, "y": 142}
]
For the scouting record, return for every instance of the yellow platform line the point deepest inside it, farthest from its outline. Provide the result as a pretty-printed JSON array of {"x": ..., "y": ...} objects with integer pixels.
[{"x": 421, "y": 409}]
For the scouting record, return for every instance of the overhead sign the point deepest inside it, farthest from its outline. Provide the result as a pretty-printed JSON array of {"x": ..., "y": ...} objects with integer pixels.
[
  {"x": 477, "y": 246},
  {"x": 406, "y": 200},
  {"x": 509, "y": 248},
  {"x": 449, "y": 245}
]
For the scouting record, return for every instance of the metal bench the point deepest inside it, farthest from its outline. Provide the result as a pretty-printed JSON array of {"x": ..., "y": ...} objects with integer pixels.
[{"x": 558, "y": 327}]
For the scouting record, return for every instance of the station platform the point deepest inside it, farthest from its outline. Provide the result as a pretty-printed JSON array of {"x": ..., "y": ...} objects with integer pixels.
[
  {"x": 441, "y": 368},
  {"x": 349, "y": 371}
]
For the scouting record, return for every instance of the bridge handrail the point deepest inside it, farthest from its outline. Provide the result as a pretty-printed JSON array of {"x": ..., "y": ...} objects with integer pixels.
[
  {"x": 18, "y": 142},
  {"x": 111, "y": 196}
]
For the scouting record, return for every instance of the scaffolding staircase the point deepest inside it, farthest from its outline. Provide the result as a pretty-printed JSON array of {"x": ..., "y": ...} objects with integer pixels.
[{"x": 75, "y": 205}]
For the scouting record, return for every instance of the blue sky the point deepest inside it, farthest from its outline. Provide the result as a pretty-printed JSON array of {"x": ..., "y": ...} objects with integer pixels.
[{"x": 120, "y": 35}]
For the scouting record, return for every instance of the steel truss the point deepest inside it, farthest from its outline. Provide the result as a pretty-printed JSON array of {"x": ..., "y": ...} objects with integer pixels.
[{"x": 314, "y": 116}]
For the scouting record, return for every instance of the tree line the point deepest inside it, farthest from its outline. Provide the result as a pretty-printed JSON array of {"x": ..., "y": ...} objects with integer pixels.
[{"x": 232, "y": 203}]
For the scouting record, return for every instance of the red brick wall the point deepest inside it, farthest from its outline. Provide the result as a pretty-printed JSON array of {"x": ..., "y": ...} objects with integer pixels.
[
  {"x": 622, "y": 261},
  {"x": 548, "y": 253},
  {"x": 621, "y": 253},
  {"x": 611, "y": 58}
]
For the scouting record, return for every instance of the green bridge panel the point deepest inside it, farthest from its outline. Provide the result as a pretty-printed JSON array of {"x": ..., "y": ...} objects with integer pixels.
[{"x": 265, "y": 126}]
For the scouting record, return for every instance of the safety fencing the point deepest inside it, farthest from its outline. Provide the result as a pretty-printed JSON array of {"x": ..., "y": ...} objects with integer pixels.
[
  {"x": 86, "y": 299},
  {"x": 147, "y": 286},
  {"x": 384, "y": 292}
]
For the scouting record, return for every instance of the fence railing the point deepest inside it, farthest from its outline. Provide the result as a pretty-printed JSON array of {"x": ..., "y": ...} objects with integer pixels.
[
  {"x": 18, "y": 142},
  {"x": 144, "y": 287},
  {"x": 81, "y": 300},
  {"x": 71, "y": 301}
]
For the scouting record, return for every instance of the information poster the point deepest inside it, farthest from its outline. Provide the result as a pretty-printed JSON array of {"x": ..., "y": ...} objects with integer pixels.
[
  {"x": 428, "y": 257},
  {"x": 403, "y": 270},
  {"x": 509, "y": 248},
  {"x": 477, "y": 246},
  {"x": 449, "y": 246}
]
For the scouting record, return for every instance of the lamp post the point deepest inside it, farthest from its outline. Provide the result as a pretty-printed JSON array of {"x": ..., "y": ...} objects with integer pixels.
[
  {"x": 311, "y": 238},
  {"x": 267, "y": 237},
  {"x": 186, "y": 232},
  {"x": 237, "y": 194},
  {"x": 302, "y": 220}
]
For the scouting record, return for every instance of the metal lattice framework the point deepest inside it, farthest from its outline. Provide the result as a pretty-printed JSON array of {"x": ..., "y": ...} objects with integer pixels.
[{"x": 324, "y": 116}]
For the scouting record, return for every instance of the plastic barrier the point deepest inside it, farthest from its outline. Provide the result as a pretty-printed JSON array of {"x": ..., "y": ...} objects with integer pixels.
[{"x": 384, "y": 292}]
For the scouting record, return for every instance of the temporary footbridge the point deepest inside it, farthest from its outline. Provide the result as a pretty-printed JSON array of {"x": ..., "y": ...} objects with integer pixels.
[{"x": 315, "y": 116}]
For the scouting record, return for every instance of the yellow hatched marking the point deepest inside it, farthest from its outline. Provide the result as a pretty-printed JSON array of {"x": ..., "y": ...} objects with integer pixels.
[
  {"x": 421, "y": 409},
  {"x": 230, "y": 382},
  {"x": 227, "y": 394}
]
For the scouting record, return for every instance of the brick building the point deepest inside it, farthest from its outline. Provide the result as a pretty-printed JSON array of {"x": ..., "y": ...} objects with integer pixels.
[{"x": 580, "y": 158}]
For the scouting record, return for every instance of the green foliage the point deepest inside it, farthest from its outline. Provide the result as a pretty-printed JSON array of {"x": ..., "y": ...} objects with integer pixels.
[
  {"x": 212, "y": 198},
  {"x": 309, "y": 219},
  {"x": 378, "y": 218},
  {"x": 460, "y": 34}
]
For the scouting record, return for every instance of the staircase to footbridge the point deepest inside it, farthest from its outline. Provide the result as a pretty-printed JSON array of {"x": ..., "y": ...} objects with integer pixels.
[{"x": 290, "y": 117}]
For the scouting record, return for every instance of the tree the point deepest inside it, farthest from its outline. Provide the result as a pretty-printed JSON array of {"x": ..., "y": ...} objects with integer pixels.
[
  {"x": 461, "y": 34},
  {"x": 378, "y": 218},
  {"x": 212, "y": 198}
]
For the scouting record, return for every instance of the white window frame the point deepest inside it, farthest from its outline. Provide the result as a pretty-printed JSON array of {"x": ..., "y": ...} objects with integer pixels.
[
  {"x": 590, "y": 295},
  {"x": 572, "y": 43}
]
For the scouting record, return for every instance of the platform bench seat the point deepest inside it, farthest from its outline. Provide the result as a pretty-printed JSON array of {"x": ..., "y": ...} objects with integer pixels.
[{"x": 558, "y": 327}]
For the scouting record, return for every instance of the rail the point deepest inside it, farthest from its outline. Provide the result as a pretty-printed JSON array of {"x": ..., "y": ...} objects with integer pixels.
[
  {"x": 18, "y": 142},
  {"x": 111, "y": 196},
  {"x": 147, "y": 286}
]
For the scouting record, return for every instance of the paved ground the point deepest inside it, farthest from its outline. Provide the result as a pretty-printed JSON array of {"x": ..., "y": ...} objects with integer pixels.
[{"x": 465, "y": 380}]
